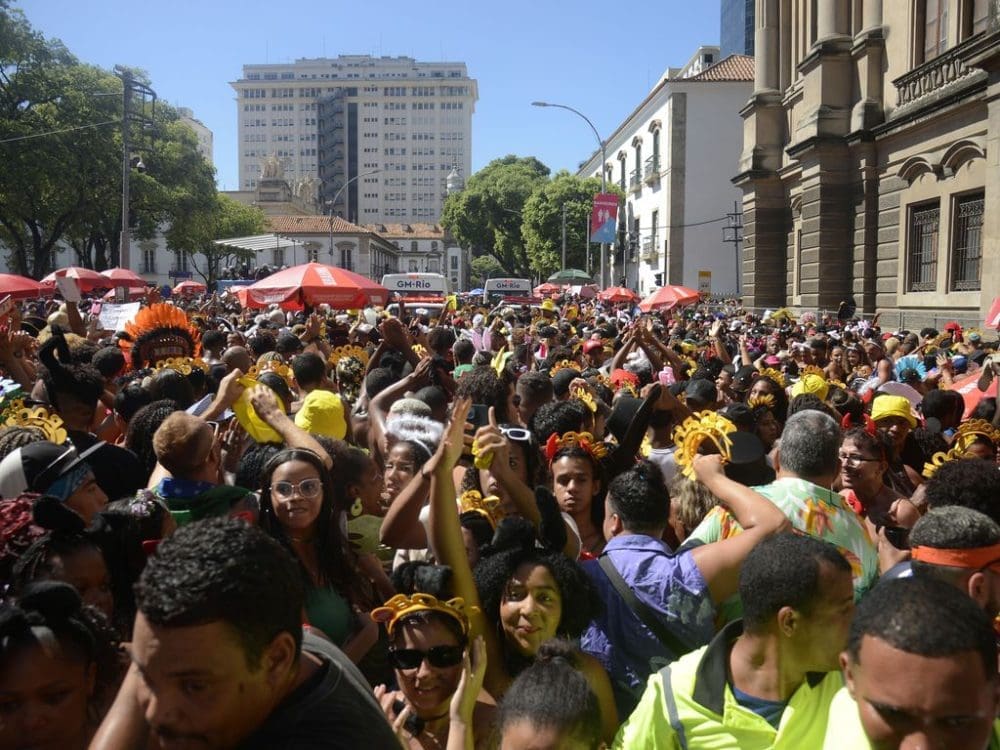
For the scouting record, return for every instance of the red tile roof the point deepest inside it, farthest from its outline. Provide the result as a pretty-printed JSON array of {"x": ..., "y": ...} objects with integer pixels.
[
  {"x": 732, "y": 68},
  {"x": 311, "y": 225},
  {"x": 407, "y": 231}
]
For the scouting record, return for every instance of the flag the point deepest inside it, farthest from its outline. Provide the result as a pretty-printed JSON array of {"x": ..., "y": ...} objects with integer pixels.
[{"x": 604, "y": 218}]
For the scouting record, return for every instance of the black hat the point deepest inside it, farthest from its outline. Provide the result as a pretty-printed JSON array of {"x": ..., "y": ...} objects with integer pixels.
[
  {"x": 35, "y": 467},
  {"x": 622, "y": 414}
]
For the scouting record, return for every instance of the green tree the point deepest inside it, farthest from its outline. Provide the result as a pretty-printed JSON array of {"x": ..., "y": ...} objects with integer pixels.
[
  {"x": 56, "y": 128},
  {"x": 486, "y": 215},
  {"x": 543, "y": 221},
  {"x": 61, "y": 150},
  {"x": 195, "y": 234},
  {"x": 484, "y": 267}
]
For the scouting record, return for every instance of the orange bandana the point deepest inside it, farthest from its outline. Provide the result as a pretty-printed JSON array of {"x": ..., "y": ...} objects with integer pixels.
[{"x": 975, "y": 558}]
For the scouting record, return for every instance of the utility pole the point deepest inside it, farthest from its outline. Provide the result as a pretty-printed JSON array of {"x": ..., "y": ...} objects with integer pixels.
[
  {"x": 564, "y": 236},
  {"x": 733, "y": 232},
  {"x": 130, "y": 114}
]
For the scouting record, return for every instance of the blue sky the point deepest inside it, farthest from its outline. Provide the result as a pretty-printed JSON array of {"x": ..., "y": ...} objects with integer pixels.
[{"x": 599, "y": 57}]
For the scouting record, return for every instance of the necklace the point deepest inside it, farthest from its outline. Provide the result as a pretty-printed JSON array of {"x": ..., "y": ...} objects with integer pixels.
[{"x": 301, "y": 539}]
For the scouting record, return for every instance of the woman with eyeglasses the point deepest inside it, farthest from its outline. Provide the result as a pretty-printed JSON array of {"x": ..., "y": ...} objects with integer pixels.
[
  {"x": 298, "y": 509},
  {"x": 428, "y": 648},
  {"x": 863, "y": 464}
]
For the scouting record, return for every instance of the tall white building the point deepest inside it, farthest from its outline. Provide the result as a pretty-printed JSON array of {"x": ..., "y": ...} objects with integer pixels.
[
  {"x": 380, "y": 133},
  {"x": 673, "y": 157},
  {"x": 201, "y": 131}
]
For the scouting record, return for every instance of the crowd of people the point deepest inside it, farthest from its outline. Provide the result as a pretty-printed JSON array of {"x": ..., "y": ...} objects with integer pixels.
[{"x": 566, "y": 526}]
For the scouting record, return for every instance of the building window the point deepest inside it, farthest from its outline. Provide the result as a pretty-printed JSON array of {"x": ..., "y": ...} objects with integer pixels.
[
  {"x": 935, "y": 28},
  {"x": 347, "y": 258},
  {"x": 279, "y": 256},
  {"x": 180, "y": 260},
  {"x": 454, "y": 262},
  {"x": 921, "y": 262},
  {"x": 621, "y": 178},
  {"x": 312, "y": 253},
  {"x": 975, "y": 16},
  {"x": 967, "y": 243},
  {"x": 149, "y": 261},
  {"x": 413, "y": 266},
  {"x": 414, "y": 246},
  {"x": 434, "y": 246}
]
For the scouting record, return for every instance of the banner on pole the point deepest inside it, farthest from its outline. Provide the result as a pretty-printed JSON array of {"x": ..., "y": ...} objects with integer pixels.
[{"x": 604, "y": 218}]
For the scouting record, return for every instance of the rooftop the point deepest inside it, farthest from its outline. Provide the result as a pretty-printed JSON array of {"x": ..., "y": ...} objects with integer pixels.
[
  {"x": 732, "y": 68},
  {"x": 311, "y": 225},
  {"x": 408, "y": 231}
]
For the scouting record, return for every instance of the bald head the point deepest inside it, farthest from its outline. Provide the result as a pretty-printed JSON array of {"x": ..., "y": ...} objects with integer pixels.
[{"x": 237, "y": 358}]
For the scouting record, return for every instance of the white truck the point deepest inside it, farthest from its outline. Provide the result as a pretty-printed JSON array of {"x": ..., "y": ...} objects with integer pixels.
[{"x": 422, "y": 293}]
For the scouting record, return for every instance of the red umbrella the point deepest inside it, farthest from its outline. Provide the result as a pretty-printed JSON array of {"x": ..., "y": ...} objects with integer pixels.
[
  {"x": 547, "y": 288},
  {"x": 618, "y": 294},
  {"x": 125, "y": 277},
  {"x": 968, "y": 387},
  {"x": 21, "y": 287},
  {"x": 86, "y": 279},
  {"x": 669, "y": 297},
  {"x": 317, "y": 284},
  {"x": 133, "y": 294},
  {"x": 993, "y": 318},
  {"x": 189, "y": 287}
]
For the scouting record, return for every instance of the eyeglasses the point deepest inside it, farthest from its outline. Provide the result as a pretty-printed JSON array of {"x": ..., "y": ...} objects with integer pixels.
[
  {"x": 848, "y": 460},
  {"x": 436, "y": 656},
  {"x": 307, "y": 488},
  {"x": 517, "y": 434}
]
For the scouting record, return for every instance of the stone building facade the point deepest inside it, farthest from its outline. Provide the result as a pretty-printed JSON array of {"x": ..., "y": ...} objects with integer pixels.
[{"x": 870, "y": 155}]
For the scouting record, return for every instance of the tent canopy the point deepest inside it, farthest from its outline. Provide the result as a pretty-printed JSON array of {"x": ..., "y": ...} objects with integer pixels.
[{"x": 257, "y": 242}]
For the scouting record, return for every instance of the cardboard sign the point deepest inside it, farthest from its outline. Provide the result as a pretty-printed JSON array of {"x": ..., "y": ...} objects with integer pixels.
[
  {"x": 68, "y": 288},
  {"x": 114, "y": 317}
]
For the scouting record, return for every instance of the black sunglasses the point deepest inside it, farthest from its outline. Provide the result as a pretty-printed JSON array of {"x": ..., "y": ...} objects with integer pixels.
[{"x": 436, "y": 656}]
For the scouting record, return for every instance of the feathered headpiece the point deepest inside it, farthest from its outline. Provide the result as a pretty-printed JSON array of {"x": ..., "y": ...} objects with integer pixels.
[
  {"x": 582, "y": 440},
  {"x": 159, "y": 332},
  {"x": 402, "y": 605},
  {"x": 695, "y": 430}
]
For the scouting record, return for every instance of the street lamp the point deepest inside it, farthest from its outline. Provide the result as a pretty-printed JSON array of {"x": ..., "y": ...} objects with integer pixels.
[
  {"x": 333, "y": 201},
  {"x": 604, "y": 178}
]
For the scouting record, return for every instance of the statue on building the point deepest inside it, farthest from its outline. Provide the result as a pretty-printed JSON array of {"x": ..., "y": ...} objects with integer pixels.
[
  {"x": 271, "y": 168},
  {"x": 307, "y": 190}
]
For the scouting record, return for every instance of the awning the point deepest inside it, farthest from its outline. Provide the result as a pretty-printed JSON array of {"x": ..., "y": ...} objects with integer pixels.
[{"x": 257, "y": 242}]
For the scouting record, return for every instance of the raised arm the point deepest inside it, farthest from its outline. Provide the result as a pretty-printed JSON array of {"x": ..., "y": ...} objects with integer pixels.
[
  {"x": 448, "y": 547},
  {"x": 720, "y": 561}
]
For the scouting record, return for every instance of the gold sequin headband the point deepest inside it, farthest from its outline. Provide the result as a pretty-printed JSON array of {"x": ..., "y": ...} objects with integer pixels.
[
  {"x": 472, "y": 501},
  {"x": 183, "y": 365},
  {"x": 342, "y": 352},
  {"x": 969, "y": 431},
  {"x": 38, "y": 417},
  {"x": 402, "y": 605},
  {"x": 775, "y": 375},
  {"x": 695, "y": 430}
]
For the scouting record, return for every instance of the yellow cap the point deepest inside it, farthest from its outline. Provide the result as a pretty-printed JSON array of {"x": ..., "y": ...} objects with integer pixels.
[
  {"x": 892, "y": 406},
  {"x": 322, "y": 413}
]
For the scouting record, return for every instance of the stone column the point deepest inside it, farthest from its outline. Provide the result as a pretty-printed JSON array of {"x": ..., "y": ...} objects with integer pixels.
[
  {"x": 871, "y": 15},
  {"x": 766, "y": 46},
  {"x": 831, "y": 20}
]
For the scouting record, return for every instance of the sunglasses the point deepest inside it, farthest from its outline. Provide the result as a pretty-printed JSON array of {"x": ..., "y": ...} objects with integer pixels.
[
  {"x": 307, "y": 488},
  {"x": 517, "y": 434},
  {"x": 436, "y": 656}
]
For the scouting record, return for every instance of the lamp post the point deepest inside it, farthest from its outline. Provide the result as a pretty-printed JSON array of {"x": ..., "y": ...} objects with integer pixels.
[
  {"x": 333, "y": 201},
  {"x": 604, "y": 178}
]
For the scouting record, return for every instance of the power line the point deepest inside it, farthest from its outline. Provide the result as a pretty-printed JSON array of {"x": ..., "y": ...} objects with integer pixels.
[{"x": 57, "y": 132}]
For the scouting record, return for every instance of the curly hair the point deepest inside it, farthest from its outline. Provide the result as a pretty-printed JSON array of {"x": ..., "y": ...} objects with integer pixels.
[
  {"x": 484, "y": 386},
  {"x": 514, "y": 545}
]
